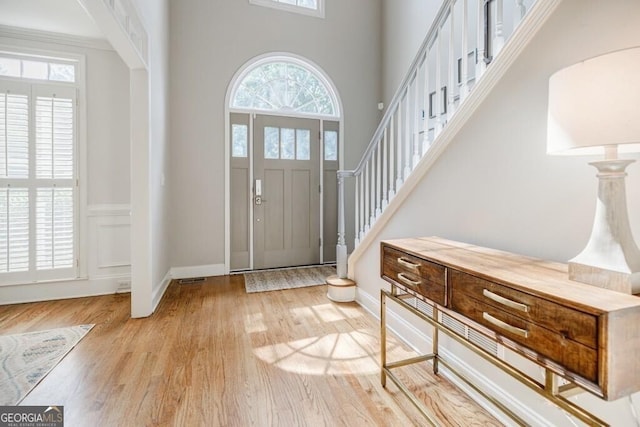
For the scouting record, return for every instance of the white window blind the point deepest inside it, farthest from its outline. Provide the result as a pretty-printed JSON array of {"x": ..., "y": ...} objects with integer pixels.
[{"x": 38, "y": 232}]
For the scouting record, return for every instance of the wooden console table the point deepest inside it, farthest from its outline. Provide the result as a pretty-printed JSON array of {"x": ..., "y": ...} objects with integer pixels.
[{"x": 586, "y": 335}]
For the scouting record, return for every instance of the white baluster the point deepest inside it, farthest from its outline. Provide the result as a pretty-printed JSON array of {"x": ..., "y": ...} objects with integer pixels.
[
  {"x": 357, "y": 209},
  {"x": 481, "y": 66},
  {"x": 420, "y": 115},
  {"x": 451, "y": 106},
  {"x": 367, "y": 205},
  {"x": 464, "y": 59},
  {"x": 519, "y": 11},
  {"x": 372, "y": 189},
  {"x": 426, "y": 143},
  {"x": 363, "y": 214},
  {"x": 415, "y": 123},
  {"x": 407, "y": 135},
  {"x": 392, "y": 151},
  {"x": 399, "y": 149},
  {"x": 386, "y": 185},
  {"x": 438, "y": 99},
  {"x": 498, "y": 41},
  {"x": 379, "y": 180}
]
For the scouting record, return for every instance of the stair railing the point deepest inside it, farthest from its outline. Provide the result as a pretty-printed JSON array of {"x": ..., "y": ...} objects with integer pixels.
[{"x": 463, "y": 40}]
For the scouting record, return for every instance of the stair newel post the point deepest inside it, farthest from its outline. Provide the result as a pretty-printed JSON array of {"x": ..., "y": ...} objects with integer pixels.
[
  {"x": 341, "y": 247},
  {"x": 464, "y": 58},
  {"x": 385, "y": 167},
  {"x": 392, "y": 152},
  {"x": 498, "y": 40},
  {"x": 451, "y": 106},
  {"x": 481, "y": 27}
]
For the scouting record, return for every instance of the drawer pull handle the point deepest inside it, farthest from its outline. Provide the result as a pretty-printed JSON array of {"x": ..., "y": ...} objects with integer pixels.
[
  {"x": 504, "y": 301},
  {"x": 404, "y": 279},
  {"x": 405, "y": 262},
  {"x": 507, "y": 327}
]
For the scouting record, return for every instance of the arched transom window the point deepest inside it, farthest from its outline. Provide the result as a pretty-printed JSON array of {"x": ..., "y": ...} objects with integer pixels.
[{"x": 286, "y": 85}]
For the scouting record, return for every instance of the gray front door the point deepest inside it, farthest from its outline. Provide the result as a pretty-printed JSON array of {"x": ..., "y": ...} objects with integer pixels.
[{"x": 286, "y": 203}]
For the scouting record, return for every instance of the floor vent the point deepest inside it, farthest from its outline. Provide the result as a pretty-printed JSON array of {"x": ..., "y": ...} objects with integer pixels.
[{"x": 191, "y": 280}]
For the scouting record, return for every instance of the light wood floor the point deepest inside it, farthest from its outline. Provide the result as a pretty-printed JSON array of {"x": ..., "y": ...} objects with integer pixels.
[{"x": 213, "y": 355}]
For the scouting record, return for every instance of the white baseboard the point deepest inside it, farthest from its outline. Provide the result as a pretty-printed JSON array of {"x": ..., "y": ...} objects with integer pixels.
[
  {"x": 197, "y": 271},
  {"x": 159, "y": 291},
  {"x": 95, "y": 286},
  {"x": 49, "y": 291}
]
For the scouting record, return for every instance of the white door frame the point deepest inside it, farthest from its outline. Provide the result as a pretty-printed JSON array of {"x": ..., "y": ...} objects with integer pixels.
[{"x": 227, "y": 140}]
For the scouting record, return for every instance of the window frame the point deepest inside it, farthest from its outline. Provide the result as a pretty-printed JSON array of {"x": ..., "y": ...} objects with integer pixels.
[
  {"x": 276, "y": 4},
  {"x": 80, "y": 269},
  {"x": 284, "y": 57}
]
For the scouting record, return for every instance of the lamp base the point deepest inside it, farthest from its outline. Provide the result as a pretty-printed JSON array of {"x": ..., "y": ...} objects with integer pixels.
[
  {"x": 611, "y": 259},
  {"x": 628, "y": 283}
]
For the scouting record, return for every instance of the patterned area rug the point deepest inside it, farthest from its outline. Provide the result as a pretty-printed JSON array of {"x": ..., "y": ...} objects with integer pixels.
[
  {"x": 289, "y": 278},
  {"x": 25, "y": 359}
]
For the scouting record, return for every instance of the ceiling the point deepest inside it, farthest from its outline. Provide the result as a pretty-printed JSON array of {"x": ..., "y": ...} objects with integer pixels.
[{"x": 57, "y": 16}]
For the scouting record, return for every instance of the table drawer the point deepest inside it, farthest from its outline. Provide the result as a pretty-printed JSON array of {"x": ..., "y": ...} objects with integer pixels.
[
  {"x": 576, "y": 357},
  {"x": 419, "y": 275},
  {"x": 567, "y": 322}
]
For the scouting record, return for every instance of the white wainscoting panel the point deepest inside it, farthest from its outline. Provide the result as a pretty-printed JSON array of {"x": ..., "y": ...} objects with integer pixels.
[{"x": 109, "y": 243}]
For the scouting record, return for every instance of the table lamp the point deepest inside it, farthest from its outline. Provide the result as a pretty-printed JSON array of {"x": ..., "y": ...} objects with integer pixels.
[{"x": 594, "y": 109}]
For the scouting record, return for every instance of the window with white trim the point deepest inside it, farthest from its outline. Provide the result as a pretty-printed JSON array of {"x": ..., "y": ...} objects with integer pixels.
[
  {"x": 38, "y": 170},
  {"x": 306, "y": 7},
  {"x": 286, "y": 86}
]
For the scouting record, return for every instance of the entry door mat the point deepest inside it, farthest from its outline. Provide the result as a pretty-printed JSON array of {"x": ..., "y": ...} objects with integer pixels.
[
  {"x": 288, "y": 278},
  {"x": 25, "y": 359}
]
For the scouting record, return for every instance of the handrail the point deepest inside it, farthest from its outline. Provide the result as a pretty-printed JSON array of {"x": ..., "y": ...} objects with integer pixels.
[
  {"x": 438, "y": 81},
  {"x": 429, "y": 38}
]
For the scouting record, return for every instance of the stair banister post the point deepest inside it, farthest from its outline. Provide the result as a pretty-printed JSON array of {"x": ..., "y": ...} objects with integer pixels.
[
  {"x": 451, "y": 107},
  {"x": 406, "y": 134},
  {"x": 519, "y": 11},
  {"x": 379, "y": 179},
  {"x": 498, "y": 41},
  {"x": 399, "y": 148},
  {"x": 437, "y": 98},
  {"x": 341, "y": 247},
  {"x": 392, "y": 152},
  {"x": 385, "y": 169},
  {"x": 425, "y": 104},
  {"x": 464, "y": 58},
  {"x": 481, "y": 65}
]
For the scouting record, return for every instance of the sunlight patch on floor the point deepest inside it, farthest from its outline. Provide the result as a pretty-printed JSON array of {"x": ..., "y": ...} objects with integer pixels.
[
  {"x": 254, "y": 323},
  {"x": 352, "y": 353},
  {"x": 326, "y": 312}
]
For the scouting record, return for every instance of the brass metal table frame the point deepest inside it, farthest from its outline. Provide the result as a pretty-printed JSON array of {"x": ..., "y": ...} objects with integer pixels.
[{"x": 550, "y": 389}]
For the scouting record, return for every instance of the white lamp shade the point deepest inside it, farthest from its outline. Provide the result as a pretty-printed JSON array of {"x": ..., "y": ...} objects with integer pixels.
[{"x": 596, "y": 103}]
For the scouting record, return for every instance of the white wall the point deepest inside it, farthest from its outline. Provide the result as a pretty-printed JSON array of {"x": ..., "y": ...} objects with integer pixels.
[
  {"x": 495, "y": 186},
  {"x": 104, "y": 243},
  {"x": 210, "y": 41},
  {"x": 405, "y": 24}
]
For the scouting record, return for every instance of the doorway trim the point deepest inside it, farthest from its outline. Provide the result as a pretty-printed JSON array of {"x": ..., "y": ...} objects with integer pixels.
[{"x": 237, "y": 78}]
